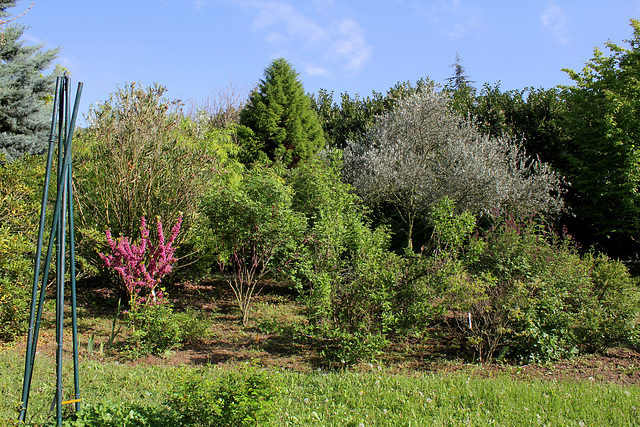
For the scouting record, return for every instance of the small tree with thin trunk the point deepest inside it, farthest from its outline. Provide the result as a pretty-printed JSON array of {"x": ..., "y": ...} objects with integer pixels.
[{"x": 253, "y": 230}]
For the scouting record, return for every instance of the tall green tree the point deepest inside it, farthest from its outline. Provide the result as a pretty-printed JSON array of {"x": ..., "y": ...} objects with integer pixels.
[
  {"x": 602, "y": 120},
  {"x": 278, "y": 120},
  {"x": 530, "y": 115},
  {"x": 24, "y": 89}
]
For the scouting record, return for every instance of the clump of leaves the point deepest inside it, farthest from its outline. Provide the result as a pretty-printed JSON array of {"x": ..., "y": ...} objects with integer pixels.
[{"x": 244, "y": 397}]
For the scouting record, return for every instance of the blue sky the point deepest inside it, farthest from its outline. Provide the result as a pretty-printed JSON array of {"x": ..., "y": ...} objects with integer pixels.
[{"x": 196, "y": 48}]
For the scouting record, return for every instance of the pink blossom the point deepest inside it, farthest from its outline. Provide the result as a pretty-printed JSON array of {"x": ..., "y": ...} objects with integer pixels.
[{"x": 142, "y": 266}]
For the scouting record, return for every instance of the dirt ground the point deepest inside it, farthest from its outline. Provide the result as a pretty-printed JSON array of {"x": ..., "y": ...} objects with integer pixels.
[{"x": 228, "y": 343}]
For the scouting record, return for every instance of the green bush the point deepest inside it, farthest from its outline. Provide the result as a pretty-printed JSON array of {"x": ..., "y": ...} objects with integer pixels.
[
  {"x": 547, "y": 301},
  {"x": 610, "y": 316},
  {"x": 21, "y": 183},
  {"x": 252, "y": 230},
  {"x": 347, "y": 268},
  {"x": 157, "y": 329},
  {"x": 123, "y": 415},
  {"x": 244, "y": 397}
]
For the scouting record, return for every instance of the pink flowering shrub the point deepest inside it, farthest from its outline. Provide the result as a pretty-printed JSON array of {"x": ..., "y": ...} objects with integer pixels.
[{"x": 143, "y": 265}]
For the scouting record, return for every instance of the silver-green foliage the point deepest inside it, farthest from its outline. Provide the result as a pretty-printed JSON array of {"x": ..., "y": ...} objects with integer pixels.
[
  {"x": 421, "y": 151},
  {"x": 24, "y": 90}
]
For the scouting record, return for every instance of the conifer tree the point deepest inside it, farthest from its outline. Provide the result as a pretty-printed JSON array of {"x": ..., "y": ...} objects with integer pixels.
[
  {"x": 279, "y": 120},
  {"x": 24, "y": 90}
]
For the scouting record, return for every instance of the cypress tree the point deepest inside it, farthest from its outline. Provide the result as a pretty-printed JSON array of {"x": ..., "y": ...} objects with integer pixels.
[
  {"x": 279, "y": 120},
  {"x": 24, "y": 91}
]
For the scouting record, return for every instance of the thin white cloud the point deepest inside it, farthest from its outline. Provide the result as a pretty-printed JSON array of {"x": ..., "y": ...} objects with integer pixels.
[
  {"x": 453, "y": 19},
  {"x": 315, "y": 70},
  {"x": 339, "y": 43},
  {"x": 30, "y": 39},
  {"x": 198, "y": 4},
  {"x": 555, "y": 21}
]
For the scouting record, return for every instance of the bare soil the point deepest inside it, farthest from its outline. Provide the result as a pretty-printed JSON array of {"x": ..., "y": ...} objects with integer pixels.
[{"x": 228, "y": 343}]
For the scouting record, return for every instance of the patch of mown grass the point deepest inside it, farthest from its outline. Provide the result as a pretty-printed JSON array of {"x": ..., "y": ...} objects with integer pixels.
[
  {"x": 381, "y": 399},
  {"x": 334, "y": 398}
]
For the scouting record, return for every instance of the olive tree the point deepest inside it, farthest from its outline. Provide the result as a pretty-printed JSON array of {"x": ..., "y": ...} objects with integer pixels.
[{"x": 421, "y": 152}]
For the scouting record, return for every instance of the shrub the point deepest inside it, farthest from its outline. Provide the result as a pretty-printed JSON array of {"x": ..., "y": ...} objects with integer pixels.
[
  {"x": 122, "y": 415},
  {"x": 142, "y": 271},
  {"x": 546, "y": 301},
  {"x": 245, "y": 397},
  {"x": 611, "y": 313},
  {"x": 252, "y": 230},
  {"x": 20, "y": 202},
  {"x": 155, "y": 329}
]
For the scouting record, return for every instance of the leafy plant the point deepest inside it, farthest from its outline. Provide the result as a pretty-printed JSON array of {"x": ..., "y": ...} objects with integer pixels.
[
  {"x": 20, "y": 201},
  {"x": 140, "y": 270},
  {"x": 252, "y": 230},
  {"x": 155, "y": 329},
  {"x": 122, "y": 415},
  {"x": 245, "y": 397}
]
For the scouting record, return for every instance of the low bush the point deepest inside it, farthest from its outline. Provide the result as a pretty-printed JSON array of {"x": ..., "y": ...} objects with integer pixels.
[
  {"x": 123, "y": 415},
  {"x": 545, "y": 301},
  {"x": 21, "y": 183},
  {"x": 157, "y": 329},
  {"x": 244, "y": 397}
]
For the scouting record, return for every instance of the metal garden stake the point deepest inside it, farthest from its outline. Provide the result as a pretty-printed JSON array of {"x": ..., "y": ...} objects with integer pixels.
[{"x": 61, "y": 224}]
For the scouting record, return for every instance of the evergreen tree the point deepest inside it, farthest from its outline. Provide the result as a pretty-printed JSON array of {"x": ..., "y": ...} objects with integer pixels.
[
  {"x": 24, "y": 116},
  {"x": 459, "y": 80},
  {"x": 279, "y": 120}
]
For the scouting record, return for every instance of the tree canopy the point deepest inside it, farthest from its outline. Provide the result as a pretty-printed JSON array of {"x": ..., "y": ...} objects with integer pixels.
[
  {"x": 421, "y": 151},
  {"x": 278, "y": 120},
  {"x": 602, "y": 124},
  {"x": 24, "y": 90}
]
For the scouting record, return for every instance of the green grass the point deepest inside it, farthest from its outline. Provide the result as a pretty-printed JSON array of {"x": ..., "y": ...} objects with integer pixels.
[{"x": 347, "y": 398}]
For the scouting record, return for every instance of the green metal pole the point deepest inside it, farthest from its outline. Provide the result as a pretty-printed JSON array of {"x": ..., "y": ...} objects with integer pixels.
[
  {"x": 45, "y": 275},
  {"x": 72, "y": 258},
  {"x": 63, "y": 205},
  {"x": 60, "y": 251},
  {"x": 28, "y": 368}
]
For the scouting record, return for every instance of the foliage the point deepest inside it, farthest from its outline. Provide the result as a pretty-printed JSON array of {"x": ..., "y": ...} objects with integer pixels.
[
  {"x": 140, "y": 270},
  {"x": 350, "y": 120},
  {"x": 156, "y": 329},
  {"x": 20, "y": 202},
  {"x": 278, "y": 118},
  {"x": 346, "y": 266},
  {"x": 24, "y": 114},
  {"x": 140, "y": 157},
  {"x": 421, "y": 152},
  {"x": 533, "y": 115},
  {"x": 339, "y": 348},
  {"x": 253, "y": 230},
  {"x": 451, "y": 231},
  {"x": 611, "y": 314},
  {"x": 245, "y": 397},
  {"x": 543, "y": 296},
  {"x": 601, "y": 120},
  {"x": 123, "y": 415}
]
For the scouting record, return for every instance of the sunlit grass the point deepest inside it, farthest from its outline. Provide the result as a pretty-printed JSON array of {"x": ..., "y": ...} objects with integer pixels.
[{"x": 347, "y": 398}]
